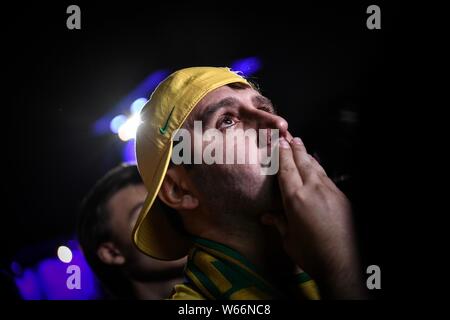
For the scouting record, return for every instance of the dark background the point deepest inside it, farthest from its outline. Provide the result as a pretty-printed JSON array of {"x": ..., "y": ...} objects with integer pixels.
[{"x": 319, "y": 62}]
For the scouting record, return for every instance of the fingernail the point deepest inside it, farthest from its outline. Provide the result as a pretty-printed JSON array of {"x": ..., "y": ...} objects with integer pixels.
[
  {"x": 297, "y": 140},
  {"x": 283, "y": 143}
]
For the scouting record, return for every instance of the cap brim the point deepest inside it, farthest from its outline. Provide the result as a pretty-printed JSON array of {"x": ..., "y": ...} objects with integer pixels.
[{"x": 154, "y": 234}]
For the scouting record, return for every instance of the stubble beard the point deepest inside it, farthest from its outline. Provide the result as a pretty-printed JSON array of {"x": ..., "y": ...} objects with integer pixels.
[{"x": 236, "y": 195}]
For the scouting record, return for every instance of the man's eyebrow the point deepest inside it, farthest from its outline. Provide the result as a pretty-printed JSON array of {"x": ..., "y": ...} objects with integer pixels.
[
  {"x": 264, "y": 102},
  {"x": 212, "y": 108},
  {"x": 258, "y": 100}
]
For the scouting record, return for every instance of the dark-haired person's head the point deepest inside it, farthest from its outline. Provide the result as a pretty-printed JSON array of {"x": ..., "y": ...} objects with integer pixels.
[{"x": 107, "y": 216}]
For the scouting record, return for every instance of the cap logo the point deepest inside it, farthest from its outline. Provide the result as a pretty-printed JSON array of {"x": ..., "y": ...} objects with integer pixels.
[{"x": 163, "y": 129}]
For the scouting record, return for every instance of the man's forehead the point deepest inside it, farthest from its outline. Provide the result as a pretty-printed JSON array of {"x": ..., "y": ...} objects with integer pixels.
[{"x": 240, "y": 93}]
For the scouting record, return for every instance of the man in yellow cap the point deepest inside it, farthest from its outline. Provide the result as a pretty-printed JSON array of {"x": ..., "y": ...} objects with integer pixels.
[{"x": 248, "y": 235}]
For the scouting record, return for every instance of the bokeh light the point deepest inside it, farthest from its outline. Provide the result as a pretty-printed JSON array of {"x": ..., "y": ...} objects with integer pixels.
[{"x": 64, "y": 254}]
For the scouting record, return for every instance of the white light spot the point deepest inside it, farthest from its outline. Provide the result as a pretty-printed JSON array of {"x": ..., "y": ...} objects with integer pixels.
[
  {"x": 137, "y": 105},
  {"x": 64, "y": 254},
  {"x": 128, "y": 130},
  {"x": 116, "y": 122}
]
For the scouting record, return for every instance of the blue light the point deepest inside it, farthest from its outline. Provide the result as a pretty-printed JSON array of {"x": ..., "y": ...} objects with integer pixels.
[
  {"x": 48, "y": 280},
  {"x": 137, "y": 105},
  {"x": 144, "y": 89},
  {"x": 28, "y": 285},
  {"x": 129, "y": 152},
  {"x": 16, "y": 268},
  {"x": 248, "y": 66},
  {"x": 116, "y": 122}
]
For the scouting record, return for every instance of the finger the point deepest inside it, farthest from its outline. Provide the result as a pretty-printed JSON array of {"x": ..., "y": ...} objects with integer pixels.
[
  {"x": 289, "y": 178},
  {"x": 301, "y": 158},
  {"x": 289, "y": 136},
  {"x": 319, "y": 169},
  {"x": 316, "y": 157},
  {"x": 330, "y": 183}
]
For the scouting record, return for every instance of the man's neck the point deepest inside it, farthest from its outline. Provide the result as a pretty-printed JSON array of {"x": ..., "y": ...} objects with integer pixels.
[
  {"x": 260, "y": 245},
  {"x": 155, "y": 290}
]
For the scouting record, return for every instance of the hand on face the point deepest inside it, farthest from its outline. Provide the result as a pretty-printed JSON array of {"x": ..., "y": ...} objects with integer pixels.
[{"x": 316, "y": 225}]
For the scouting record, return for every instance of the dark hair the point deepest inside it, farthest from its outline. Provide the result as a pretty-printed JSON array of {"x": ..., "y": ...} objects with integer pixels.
[{"x": 93, "y": 228}]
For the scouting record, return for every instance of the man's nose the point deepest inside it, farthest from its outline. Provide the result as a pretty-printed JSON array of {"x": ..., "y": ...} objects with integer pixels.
[{"x": 267, "y": 120}]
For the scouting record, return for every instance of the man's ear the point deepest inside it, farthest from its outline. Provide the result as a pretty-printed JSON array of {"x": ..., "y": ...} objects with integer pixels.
[
  {"x": 176, "y": 192},
  {"x": 108, "y": 253}
]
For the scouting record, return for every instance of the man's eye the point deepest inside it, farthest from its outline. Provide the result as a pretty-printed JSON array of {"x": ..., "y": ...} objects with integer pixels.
[{"x": 226, "y": 122}]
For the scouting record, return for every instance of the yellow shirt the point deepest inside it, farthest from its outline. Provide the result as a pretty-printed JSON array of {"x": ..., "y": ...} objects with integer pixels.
[{"x": 217, "y": 272}]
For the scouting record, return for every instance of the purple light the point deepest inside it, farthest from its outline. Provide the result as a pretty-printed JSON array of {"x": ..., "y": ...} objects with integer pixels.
[
  {"x": 16, "y": 268},
  {"x": 129, "y": 152},
  {"x": 28, "y": 285},
  {"x": 248, "y": 66},
  {"x": 48, "y": 280},
  {"x": 101, "y": 126}
]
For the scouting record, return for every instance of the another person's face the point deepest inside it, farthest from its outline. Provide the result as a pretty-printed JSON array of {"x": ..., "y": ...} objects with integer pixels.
[
  {"x": 236, "y": 187},
  {"x": 124, "y": 207}
]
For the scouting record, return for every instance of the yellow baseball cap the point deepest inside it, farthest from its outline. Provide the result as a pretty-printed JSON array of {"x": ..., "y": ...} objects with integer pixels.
[{"x": 169, "y": 106}]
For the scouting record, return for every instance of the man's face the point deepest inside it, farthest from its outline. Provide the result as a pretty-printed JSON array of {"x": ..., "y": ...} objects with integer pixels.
[
  {"x": 124, "y": 207},
  {"x": 235, "y": 188}
]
